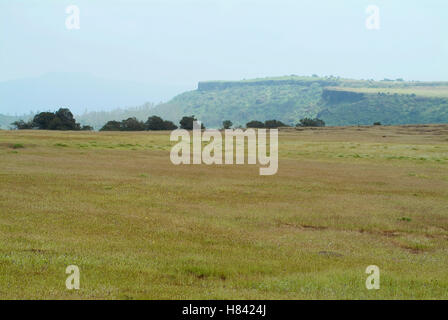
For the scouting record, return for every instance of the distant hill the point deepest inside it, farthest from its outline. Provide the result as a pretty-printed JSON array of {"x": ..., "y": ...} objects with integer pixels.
[
  {"x": 335, "y": 100},
  {"x": 288, "y": 99}
]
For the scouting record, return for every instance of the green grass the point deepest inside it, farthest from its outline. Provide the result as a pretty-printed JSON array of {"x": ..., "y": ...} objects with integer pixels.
[{"x": 139, "y": 227}]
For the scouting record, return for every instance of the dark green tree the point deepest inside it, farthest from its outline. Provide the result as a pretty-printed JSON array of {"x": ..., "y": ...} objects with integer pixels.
[
  {"x": 274, "y": 124},
  {"x": 66, "y": 121},
  {"x": 87, "y": 128},
  {"x": 42, "y": 120},
  {"x": 187, "y": 123},
  {"x": 154, "y": 123},
  {"x": 132, "y": 124},
  {"x": 227, "y": 124},
  {"x": 169, "y": 125},
  {"x": 255, "y": 124},
  {"x": 111, "y": 126},
  {"x": 308, "y": 122}
]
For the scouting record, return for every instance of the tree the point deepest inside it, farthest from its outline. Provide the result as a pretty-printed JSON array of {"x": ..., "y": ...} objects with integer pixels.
[
  {"x": 187, "y": 123},
  {"x": 66, "y": 121},
  {"x": 60, "y": 120},
  {"x": 42, "y": 120},
  {"x": 56, "y": 124},
  {"x": 227, "y": 124},
  {"x": 111, "y": 126},
  {"x": 255, "y": 124},
  {"x": 155, "y": 123},
  {"x": 132, "y": 124},
  {"x": 308, "y": 122},
  {"x": 274, "y": 124},
  {"x": 169, "y": 125},
  {"x": 87, "y": 128}
]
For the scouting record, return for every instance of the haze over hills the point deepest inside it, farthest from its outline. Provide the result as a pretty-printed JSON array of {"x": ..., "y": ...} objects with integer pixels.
[
  {"x": 78, "y": 91},
  {"x": 335, "y": 100}
]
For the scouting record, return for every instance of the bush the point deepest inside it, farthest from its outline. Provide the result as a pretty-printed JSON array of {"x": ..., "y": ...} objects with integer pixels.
[
  {"x": 87, "y": 128},
  {"x": 42, "y": 120},
  {"x": 17, "y": 146},
  {"x": 168, "y": 125},
  {"x": 308, "y": 122},
  {"x": 377, "y": 123},
  {"x": 111, "y": 126},
  {"x": 154, "y": 123},
  {"x": 255, "y": 124},
  {"x": 227, "y": 124},
  {"x": 64, "y": 120},
  {"x": 60, "y": 120},
  {"x": 132, "y": 124},
  {"x": 274, "y": 124},
  {"x": 157, "y": 123},
  {"x": 187, "y": 123}
]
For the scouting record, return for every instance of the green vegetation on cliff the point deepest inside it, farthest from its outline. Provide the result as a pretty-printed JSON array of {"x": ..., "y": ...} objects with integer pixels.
[
  {"x": 336, "y": 101},
  {"x": 341, "y": 108},
  {"x": 246, "y": 101}
]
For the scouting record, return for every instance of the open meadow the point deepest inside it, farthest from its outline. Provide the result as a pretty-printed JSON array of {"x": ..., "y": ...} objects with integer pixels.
[{"x": 139, "y": 227}]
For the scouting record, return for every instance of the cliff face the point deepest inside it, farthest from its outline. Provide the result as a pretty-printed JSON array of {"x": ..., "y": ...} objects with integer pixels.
[{"x": 222, "y": 85}]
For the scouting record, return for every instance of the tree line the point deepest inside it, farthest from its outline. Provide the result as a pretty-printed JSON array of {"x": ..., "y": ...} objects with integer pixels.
[
  {"x": 153, "y": 123},
  {"x": 305, "y": 122},
  {"x": 157, "y": 123},
  {"x": 63, "y": 120}
]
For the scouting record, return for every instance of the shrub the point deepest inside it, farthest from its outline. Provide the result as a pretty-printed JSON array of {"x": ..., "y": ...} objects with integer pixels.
[
  {"x": 111, "y": 126},
  {"x": 255, "y": 124},
  {"x": 154, "y": 123},
  {"x": 157, "y": 123},
  {"x": 60, "y": 120},
  {"x": 169, "y": 125},
  {"x": 308, "y": 122},
  {"x": 132, "y": 124},
  {"x": 187, "y": 123},
  {"x": 42, "y": 120},
  {"x": 227, "y": 124},
  {"x": 274, "y": 124},
  {"x": 87, "y": 128}
]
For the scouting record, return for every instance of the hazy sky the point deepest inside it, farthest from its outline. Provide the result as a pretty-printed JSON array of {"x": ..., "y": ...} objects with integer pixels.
[{"x": 180, "y": 42}]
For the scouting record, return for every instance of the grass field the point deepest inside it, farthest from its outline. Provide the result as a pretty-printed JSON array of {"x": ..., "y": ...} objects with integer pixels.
[{"x": 139, "y": 227}]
